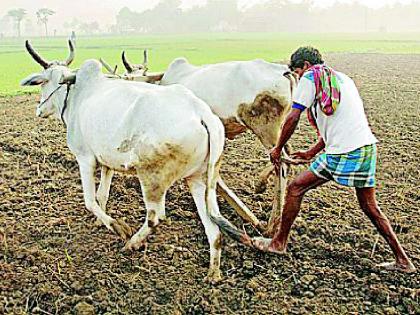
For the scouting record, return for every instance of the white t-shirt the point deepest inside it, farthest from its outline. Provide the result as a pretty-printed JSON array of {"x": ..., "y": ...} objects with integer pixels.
[{"x": 345, "y": 130}]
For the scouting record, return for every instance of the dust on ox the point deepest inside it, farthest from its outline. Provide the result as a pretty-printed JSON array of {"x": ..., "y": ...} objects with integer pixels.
[
  {"x": 160, "y": 133},
  {"x": 253, "y": 95}
]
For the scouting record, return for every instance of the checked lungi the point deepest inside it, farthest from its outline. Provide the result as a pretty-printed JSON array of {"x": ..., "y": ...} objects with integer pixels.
[{"x": 353, "y": 169}]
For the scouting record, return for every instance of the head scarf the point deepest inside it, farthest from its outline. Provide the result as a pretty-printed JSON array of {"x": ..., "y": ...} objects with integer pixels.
[{"x": 327, "y": 90}]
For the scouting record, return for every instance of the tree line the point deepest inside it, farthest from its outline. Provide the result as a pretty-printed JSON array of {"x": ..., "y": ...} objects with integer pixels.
[
  {"x": 269, "y": 16},
  {"x": 42, "y": 15},
  {"x": 225, "y": 16},
  {"x": 20, "y": 15}
]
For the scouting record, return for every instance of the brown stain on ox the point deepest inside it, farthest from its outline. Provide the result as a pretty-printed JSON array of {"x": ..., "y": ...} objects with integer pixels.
[
  {"x": 232, "y": 127},
  {"x": 218, "y": 242},
  {"x": 161, "y": 168},
  {"x": 265, "y": 116},
  {"x": 151, "y": 218},
  {"x": 128, "y": 144}
]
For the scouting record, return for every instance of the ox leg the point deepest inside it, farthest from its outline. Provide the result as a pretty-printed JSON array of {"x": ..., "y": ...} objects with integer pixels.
[
  {"x": 87, "y": 173},
  {"x": 214, "y": 237},
  {"x": 261, "y": 184},
  {"x": 102, "y": 194},
  {"x": 155, "y": 207}
]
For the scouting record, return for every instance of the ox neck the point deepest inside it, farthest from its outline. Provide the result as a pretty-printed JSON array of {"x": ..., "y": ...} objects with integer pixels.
[{"x": 64, "y": 109}]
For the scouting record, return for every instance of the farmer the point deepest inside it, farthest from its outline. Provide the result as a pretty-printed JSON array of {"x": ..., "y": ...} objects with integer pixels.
[{"x": 336, "y": 110}]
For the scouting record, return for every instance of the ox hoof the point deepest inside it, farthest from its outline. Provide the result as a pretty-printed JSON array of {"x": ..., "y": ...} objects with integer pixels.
[
  {"x": 260, "y": 187},
  {"x": 133, "y": 245},
  {"x": 264, "y": 244},
  {"x": 262, "y": 227},
  {"x": 269, "y": 231},
  {"x": 213, "y": 277},
  {"x": 122, "y": 229}
]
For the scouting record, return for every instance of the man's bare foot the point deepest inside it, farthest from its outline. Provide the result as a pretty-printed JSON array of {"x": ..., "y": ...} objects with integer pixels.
[
  {"x": 265, "y": 245},
  {"x": 394, "y": 266}
]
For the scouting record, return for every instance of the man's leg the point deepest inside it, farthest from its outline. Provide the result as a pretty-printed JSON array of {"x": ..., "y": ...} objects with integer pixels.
[
  {"x": 367, "y": 201},
  {"x": 294, "y": 195}
]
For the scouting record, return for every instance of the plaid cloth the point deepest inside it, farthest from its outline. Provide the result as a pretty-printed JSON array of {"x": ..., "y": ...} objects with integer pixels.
[{"x": 354, "y": 169}]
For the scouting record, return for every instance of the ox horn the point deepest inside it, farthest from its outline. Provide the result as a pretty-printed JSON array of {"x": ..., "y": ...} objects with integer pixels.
[
  {"x": 126, "y": 63},
  {"x": 145, "y": 68},
  {"x": 70, "y": 58},
  {"x": 145, "y": 57},
  {"x": 68, "y": 79},
  {"x": 44, "y": 63},
  {"x": 108, "y": 67}
]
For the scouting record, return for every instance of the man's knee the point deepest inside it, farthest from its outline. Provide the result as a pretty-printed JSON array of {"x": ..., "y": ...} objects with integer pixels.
[
  {"x": 304, "y": 182},
  {"x": 369, "y": 204},
  {"x": 295, "y": 189},
  {"x": 377, "y": 213},
  {"x": 372, "y": 209}
]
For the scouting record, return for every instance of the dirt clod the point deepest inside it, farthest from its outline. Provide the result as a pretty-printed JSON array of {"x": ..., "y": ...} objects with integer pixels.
[{"x": 84, "y": 308}]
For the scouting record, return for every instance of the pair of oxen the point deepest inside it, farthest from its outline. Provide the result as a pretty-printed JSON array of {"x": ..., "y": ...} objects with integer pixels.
[{"x": 170, "y": 126}]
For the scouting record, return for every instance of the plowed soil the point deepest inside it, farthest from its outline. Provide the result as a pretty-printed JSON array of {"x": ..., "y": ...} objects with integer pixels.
[{"x": 54, "y": 259}]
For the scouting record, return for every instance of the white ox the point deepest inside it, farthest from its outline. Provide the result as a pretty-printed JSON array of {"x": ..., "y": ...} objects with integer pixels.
[
  {"x": 253, "y": 95},
  {"x": 160, "y": 133}
]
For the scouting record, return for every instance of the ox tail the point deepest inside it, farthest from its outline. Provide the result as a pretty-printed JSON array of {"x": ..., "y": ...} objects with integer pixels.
[{"x": 216, "y": 138}]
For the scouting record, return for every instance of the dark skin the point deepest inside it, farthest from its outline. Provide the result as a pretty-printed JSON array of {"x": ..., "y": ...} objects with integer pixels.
[{"x": 306, "y": 181}]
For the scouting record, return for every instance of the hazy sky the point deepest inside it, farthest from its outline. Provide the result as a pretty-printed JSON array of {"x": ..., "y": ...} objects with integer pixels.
[{"x": 104, "y": 11}]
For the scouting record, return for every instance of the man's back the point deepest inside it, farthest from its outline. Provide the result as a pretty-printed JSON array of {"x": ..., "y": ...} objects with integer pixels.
[{"x": 347, "y": 129}]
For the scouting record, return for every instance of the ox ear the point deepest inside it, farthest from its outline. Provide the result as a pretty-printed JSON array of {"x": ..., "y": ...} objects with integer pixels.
[{"x": 34, "y": 79}]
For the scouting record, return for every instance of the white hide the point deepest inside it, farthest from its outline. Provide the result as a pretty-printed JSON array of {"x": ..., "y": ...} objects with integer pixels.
[
  {"x": 227, "y": 86},
  {"x": 160, "y": 133},
  {"x": 119, "y": 121},
  {"x": 224, "y": 86}
]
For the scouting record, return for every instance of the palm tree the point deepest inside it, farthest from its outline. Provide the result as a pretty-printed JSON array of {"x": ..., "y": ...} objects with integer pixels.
[
  {"x": 17, "y": 15},
  {"x": 43, "y": 15}
]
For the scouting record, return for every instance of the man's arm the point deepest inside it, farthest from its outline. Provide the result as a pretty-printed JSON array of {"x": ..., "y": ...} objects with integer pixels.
[
  {"x": 289, "y": 127},
  {"x": 286, "y": 132},
  {"x": 310, "y": 153},
  {"x": 303, "y": 98},
  {"x": 318, "y": 147}
]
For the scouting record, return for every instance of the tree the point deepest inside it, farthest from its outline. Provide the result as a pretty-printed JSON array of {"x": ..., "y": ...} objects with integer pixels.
[
  {"x": 89, "y": 28},
  {"x": 216, "y": 15},
  {"x": 43, "y": 16},
  {"x": 125, "y": 19},
  {"x": 17, "y": 15},
  {"x": 165, "y": 17},
  {"x": 71, "y": 25},
  {"x": 94, "y": 27}
]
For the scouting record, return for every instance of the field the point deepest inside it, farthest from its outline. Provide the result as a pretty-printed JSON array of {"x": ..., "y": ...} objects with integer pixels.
[
  {"x": 15, "y": 63},
  {"x": 54, "y": 259}
]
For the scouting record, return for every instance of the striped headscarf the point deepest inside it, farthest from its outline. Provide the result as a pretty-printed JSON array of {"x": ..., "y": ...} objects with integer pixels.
[{"x": 328, "y": 93}]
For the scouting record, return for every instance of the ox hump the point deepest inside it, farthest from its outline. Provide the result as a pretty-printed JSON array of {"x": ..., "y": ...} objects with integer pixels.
[
  {"x": 180, "y": 60},
  {"x": 178, "y": 63},
  {"x": 90, "y": 70}
]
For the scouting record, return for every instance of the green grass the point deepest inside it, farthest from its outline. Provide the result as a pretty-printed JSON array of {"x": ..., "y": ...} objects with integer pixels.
[{"x": 15, "y": 63}]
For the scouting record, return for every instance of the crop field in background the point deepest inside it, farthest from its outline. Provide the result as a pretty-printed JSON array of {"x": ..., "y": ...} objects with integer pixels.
[{"x": 15, "y": 63}]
